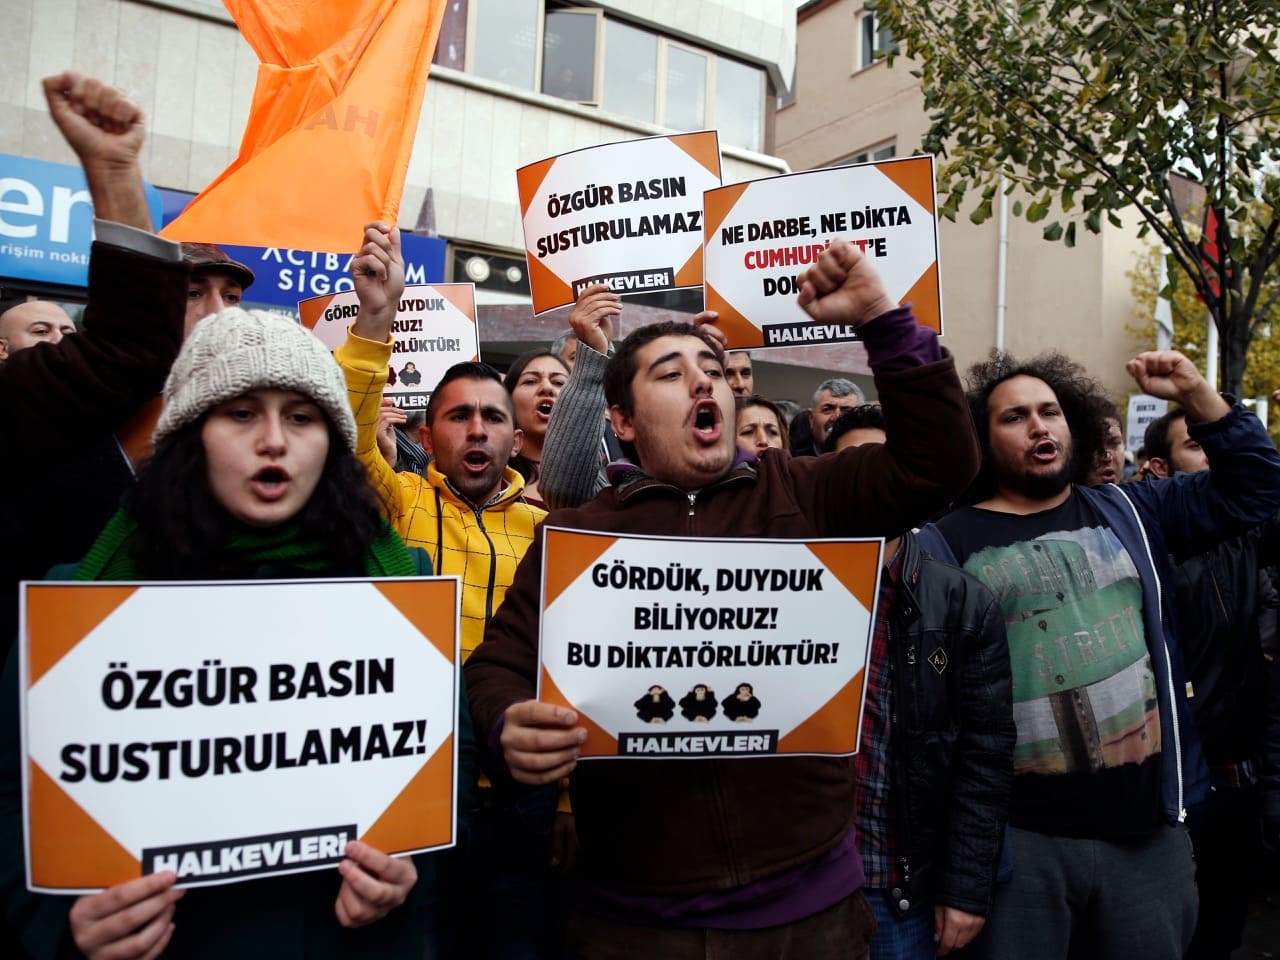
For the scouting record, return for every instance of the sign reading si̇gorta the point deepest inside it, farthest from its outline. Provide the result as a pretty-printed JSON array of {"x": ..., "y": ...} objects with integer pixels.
[
  {"x": 742, "y": 648},
  {"x": 293, "y": 717},
  {"x": 284, "y": 276},
  {"x": 434, "y": 328}
]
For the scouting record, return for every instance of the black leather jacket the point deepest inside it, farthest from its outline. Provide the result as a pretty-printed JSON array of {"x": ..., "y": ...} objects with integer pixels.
[
  {"x": 952, "y": 733},
  {"x": 1220, "y": 610}
]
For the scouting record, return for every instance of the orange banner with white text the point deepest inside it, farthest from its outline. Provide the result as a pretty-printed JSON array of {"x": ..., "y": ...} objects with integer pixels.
[{"x": 331, "y": 127}]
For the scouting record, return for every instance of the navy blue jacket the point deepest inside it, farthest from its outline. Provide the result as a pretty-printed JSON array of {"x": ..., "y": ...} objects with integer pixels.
[{"x": 1181, "y": 516}]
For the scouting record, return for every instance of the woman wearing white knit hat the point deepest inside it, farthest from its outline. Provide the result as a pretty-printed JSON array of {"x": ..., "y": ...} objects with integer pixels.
[{"x": 254, "y": 476}]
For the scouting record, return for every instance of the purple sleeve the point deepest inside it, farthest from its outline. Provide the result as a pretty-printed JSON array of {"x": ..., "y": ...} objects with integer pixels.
[{"x": 894, "y": 341}]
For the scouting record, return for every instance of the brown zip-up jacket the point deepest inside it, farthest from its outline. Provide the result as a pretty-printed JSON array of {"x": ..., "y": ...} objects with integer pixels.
[{"x": 689, "y": 826}]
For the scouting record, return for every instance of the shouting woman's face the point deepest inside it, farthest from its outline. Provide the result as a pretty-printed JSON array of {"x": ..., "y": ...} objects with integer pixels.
[{"x": 266, "y": 452}]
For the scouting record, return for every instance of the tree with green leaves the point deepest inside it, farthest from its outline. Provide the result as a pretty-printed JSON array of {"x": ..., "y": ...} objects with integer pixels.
[
  {"x": 1261, "y": 376},
  {"x": 1091, "y": 109}
]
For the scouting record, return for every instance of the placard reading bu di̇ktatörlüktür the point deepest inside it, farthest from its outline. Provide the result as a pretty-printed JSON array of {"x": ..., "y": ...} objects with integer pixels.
[
  {"x": 229, "y": 730},
  {"x": 740, "y": 648},
  {"x": 434, "y": 328},
  {"x": 627, "y": 214},
  {"x": 761, "y": 235}
]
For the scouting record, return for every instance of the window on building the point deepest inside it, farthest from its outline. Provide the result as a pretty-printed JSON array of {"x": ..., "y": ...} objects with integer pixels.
[
  {"x": 578, "y": 54},
  {"x": 451, "y": 48},
  {"x": 739, "y": 104},
  {"x": 685, "y": 89},
  {"x": 630, "y": 71},
  {"x": 873, "y": 40},
  {"x": 569, "y": 54},
  {"x": 885, "y": 151},
  {"x": 504, "y": 41}
]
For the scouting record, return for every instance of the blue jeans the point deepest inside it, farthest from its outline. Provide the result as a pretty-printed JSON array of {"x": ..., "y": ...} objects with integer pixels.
[{"x": 901, "y": 938}]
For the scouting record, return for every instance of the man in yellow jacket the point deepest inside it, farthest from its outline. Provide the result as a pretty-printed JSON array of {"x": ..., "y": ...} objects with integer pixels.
[{"x": 467, "y": 513}]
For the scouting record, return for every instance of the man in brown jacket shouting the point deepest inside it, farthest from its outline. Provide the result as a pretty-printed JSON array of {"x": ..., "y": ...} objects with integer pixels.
[{"x": 694, "y": 857}]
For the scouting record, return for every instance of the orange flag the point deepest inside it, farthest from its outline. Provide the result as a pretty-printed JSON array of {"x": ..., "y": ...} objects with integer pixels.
[{"x": 331, "y": 127}]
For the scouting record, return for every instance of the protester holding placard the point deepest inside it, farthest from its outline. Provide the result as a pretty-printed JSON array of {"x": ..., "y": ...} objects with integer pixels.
[
  {"x": 682, "y": 857},
  {"x": 253, "y": 477}
]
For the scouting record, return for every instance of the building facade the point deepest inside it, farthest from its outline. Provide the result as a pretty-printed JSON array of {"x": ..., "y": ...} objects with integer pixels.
[
  {"x": 1001, "y": 285},
  {"x": 513, "y": 82}
]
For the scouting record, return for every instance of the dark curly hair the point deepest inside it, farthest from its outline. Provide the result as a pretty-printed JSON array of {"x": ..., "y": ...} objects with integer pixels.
[
  {"x": 1083, "y": 401},
  {"x": 182, "y": 528}
]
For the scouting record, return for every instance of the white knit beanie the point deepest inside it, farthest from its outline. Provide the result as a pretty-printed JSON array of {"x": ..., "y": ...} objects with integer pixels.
[{"x": 236, "y": 351}]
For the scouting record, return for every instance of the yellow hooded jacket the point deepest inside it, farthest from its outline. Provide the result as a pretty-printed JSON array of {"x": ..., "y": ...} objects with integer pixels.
[{"x": 482, "y": 546}]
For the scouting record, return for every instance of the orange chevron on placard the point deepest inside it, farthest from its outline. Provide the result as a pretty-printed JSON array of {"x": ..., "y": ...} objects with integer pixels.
[
  {"x": 461, "y": 295},
  {"x": 547, "y": 289},
  {"x": 703, "y": 147},
  {"x": 310, "y": 311},
  {"x": 60, "y": 615},
  {"x": 421, "y": 815},
  {"x": 914, "y": 175},
  {"x": 598, "y": 743},
  {"x": 571, "y": 552},
  {"x": 690, "y": 275},
  {"x": 136, "y": 432},
  {"x": 716, "y": 205},
  {"x": 740, "y": 331},
  {"x": 925, "y": 301},
  {"x": 529, "y": 179},
  {"x": 430, "y": 605},
  {"x": 855, "y": 565},
  {"x": 69, "y": 849},
  {"x": 833, "y": 727}
]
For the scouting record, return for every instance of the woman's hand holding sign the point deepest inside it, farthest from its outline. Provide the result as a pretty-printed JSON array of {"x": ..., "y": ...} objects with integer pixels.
[
  {"x": 373, "y": 884},
  {"x": 593, "y": 316},
  {"x": 540, "y": 742},
  {"x": 130, "y": 921}
]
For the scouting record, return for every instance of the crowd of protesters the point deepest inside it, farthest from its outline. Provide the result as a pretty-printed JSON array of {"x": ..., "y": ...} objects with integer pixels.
[{"x": 1071, "y": 734}]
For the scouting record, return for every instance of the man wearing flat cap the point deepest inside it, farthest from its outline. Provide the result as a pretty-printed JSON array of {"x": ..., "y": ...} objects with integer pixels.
[{"x": 217, "y": 281}]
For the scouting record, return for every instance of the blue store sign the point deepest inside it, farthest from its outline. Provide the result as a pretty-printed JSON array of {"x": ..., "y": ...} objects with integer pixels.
[
  {"x": 46, "y": 221},
  {"x": 286, "y": 276}
]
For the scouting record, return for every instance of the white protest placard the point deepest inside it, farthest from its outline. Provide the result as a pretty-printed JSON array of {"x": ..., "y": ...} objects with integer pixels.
[
  {"x": 627, "y": 214},
  {"x": 231, "y": 730},
  {"x": 760, "y": 235},
  {"x": 434, "y": 328},
  {"x": 1144, "y": 410},
  {"x": 741, "y": 648}
]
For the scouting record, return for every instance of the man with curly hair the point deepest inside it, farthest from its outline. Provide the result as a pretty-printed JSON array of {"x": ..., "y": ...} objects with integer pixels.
[{"x": 1107, "y": 758}]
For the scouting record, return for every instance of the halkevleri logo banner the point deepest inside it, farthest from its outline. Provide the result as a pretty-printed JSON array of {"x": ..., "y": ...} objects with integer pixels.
[
  {"x": 627, "y": 214},
  {"x": 740, "y": 648},
  {"x": 434, "y": 328},
  {"x": 229, "y": 730},
  {"x": 760, "y": 235}
]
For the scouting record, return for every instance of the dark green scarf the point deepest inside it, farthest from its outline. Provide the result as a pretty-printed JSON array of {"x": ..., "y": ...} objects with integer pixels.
[{"x": 109, "y": 558}]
